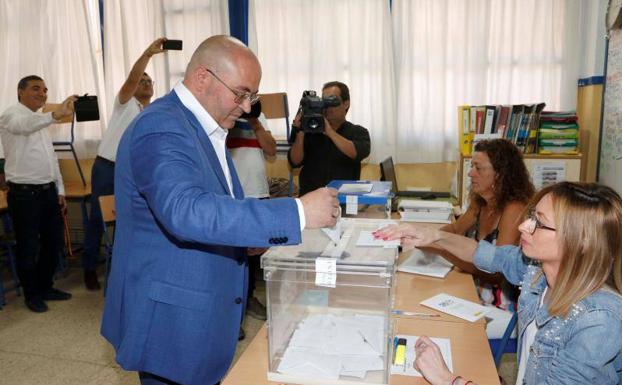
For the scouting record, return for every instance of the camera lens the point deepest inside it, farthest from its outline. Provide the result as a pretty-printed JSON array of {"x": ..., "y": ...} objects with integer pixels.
[{"x": 314, "y": 124}]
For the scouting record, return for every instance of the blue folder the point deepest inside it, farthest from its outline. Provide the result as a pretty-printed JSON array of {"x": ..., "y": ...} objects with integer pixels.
[{"x": 380, "y": 192}]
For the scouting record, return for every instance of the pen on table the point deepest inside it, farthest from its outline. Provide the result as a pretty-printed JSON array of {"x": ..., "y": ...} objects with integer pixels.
[{"x": 413, "y": 314}]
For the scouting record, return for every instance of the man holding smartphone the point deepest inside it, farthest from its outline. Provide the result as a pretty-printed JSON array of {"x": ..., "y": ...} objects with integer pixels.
[{"x": 133, "y": 97}]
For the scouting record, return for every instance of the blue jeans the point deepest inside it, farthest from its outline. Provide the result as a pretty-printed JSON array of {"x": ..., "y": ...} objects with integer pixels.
[{"x": 102, "y": 183}]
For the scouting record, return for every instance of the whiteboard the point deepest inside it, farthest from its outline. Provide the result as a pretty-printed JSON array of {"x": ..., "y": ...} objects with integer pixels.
[{"x": 611, "y": 147}]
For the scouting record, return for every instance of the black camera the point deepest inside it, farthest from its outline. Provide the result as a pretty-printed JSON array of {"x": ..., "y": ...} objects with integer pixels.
[
  {"x": 313, "y": 111},
  {"x": 86, "y": 108}
]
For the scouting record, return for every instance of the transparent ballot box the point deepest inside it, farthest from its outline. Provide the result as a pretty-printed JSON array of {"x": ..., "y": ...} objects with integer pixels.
[{"x": 329, "y": 308}]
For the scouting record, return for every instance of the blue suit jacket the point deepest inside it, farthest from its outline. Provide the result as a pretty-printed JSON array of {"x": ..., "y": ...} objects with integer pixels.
[{"x": 176, "y": 292}]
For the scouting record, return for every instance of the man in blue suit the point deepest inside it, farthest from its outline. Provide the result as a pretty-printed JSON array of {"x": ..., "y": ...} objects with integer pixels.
[{"x": 176, "y": 292}]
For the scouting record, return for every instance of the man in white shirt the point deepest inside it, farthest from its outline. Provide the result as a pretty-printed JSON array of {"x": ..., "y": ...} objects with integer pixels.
[
  {"x": 36, "y": 191},
  {"x": 133, "y": 97}
]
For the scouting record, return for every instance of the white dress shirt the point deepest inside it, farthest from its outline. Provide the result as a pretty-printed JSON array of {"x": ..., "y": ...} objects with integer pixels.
[
  {"x": 29, "y": 154},
  {"x": 218, "y": 136},
  {"x": 121, "y": 117}
]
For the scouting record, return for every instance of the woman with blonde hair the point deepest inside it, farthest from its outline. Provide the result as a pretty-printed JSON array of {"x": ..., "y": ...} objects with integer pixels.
[{"x": 569, "y": 265}]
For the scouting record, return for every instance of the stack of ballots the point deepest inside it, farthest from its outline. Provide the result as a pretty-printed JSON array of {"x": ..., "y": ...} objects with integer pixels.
[
  {"x": 558, "y": 133},
  {"x": 425, "y": 211},
  {"x": 327, "y": 346}
]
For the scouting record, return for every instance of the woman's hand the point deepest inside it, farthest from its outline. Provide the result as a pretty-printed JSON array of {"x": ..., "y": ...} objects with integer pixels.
[
  {"x": 430, "y": 362},
  {"x": 409, "y": 234}
]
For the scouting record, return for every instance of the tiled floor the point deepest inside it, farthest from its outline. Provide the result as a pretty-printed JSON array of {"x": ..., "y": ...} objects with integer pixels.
[{"x": 63, "y": 346}]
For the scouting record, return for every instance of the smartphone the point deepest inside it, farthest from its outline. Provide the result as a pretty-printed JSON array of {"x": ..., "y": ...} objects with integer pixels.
[{"x": 172, "y": 45}]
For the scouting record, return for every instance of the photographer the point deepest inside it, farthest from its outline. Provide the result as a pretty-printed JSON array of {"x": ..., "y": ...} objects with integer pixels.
[
  {"x": 336, "y": 153},
  {"x": 133, "y": 97},
  {"x": 36, "y": 191}
]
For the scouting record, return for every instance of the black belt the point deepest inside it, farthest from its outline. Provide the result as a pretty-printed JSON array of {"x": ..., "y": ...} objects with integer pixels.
[
  {"x": 31, "y": 187},
  {"x": 106, "y": 161}
]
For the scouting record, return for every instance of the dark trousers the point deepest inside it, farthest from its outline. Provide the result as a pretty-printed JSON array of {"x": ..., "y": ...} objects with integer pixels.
[
  {"x": 152, "y": 379},
  {"x": 38, "y": 227},
  {"x": 102, "y": 183},
  {"x": 254, "y": 265}
]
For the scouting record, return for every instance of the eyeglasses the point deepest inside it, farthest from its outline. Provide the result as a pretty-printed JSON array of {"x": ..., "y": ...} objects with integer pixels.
[
  {"x": 533, "y": 223},
  {"x": 145, "y": 82},
  {"x": 240, "y": 97}
]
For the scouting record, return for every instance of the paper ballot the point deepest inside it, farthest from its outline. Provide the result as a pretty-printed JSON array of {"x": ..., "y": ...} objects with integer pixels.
[
  {"x": 366, "y": 239},
  {"x": 457, "y": 307},
  {"x": 334, "y": 233},
  {"x": 426, "y": 263},
  {"x": 408, "y": 369}
]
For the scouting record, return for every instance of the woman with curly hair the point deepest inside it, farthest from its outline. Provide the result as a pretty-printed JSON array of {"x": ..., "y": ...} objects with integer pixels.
[{"x": 500, "y": 191}]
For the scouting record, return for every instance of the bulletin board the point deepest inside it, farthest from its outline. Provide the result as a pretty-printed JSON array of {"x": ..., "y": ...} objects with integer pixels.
[{"x": 611, "y": 147}]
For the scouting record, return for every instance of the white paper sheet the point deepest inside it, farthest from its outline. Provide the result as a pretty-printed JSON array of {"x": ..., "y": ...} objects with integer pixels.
[
  {"x": 366, "y": 239},
  {"x": 355, "y": 188},
  {"x": 457, "y": 307},
  {"x": 408, "y": 369},
  {"x": 426, "y": 263}
]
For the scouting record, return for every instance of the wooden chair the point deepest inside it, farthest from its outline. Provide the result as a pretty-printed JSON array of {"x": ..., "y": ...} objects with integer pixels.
[
  {"x": 274, "y": 106},
  {"x": 109, "y": 218},
  {"x": 8, "y": 244},
  {"x": 75, "y": 191}
]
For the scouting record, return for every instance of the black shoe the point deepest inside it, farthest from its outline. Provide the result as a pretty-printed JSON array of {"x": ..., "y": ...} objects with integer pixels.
[
  {"x": 255, "y": 309},
  {"x": 242, "y": 335},
  {"x": 36, "y": 305},
  {"x": 56, "y": 295},
  {"x": 90, "y": 280}
]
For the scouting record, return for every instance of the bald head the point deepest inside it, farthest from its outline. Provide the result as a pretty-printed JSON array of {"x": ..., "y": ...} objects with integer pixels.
[
  {"x": 222, "y": 53},
  {"x": 222, "y": 74}
]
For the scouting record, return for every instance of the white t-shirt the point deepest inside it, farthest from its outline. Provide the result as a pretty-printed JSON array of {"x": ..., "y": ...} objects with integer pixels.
[
  {"x": 248, "y": 158},
  {"x": 121, "y": 117},
  {"x": 528, "y": 338}
]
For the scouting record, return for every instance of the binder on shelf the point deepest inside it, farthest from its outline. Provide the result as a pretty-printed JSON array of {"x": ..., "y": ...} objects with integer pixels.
[
  {"x": 489, "y": 122},
  {"x": 502, "y": 122},
  {"x": 464, "y": 133},
  {"x": 516, "y": 118},
  {"x": 531, "y": 142}
]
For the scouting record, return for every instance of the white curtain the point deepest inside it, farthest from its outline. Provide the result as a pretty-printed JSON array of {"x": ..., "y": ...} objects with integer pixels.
[
  {"x": 454, "y": 52},
  {"x": 130, "y": 26},
  {"x": 303, "y": 44},
  {"x": 59, "y": 41}
]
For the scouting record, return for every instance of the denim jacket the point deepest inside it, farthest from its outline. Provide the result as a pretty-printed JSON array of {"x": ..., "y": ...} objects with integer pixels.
[{"x": 585, "y": 347}]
